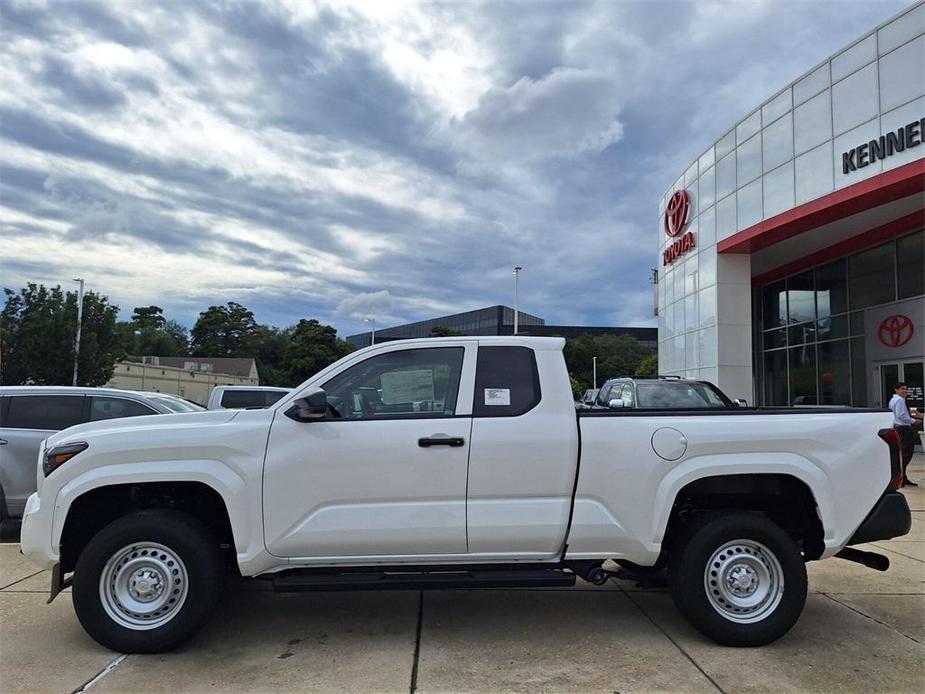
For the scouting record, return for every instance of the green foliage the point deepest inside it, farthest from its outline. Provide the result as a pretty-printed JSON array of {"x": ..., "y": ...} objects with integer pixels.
[
  {"x": 440, "y": 331},
  {"x": 312, "y": 347},
  {"x": 648, "y": 366},
  {"x": 150, "y": 334},
  {"x": 225, "y": 331},
  {"x": 37, "y": 329},
  {"x": 617, "y": 355},
  {"x": 577, "y": 390}
]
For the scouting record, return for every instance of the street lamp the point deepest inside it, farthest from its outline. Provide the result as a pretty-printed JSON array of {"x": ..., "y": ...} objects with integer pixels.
[
  {"x": 372, "y": 339},
  {"x": 80, "y": 309},
  {"x": 594, "y": 363},
  {"x": 517, "y": 269}
]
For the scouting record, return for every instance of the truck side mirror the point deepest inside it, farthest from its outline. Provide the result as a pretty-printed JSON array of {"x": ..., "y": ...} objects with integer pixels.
[
  {"x": 309, "y": 408},
  {"x": 616, "y": 405},
  {"x": 740, "y": 402}
]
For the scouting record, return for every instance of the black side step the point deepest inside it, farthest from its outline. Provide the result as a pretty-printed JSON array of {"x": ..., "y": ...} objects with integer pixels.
[{"x": 295, "y": 581}]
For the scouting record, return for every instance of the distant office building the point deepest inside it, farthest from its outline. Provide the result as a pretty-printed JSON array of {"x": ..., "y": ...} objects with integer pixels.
[{"x": 498, "y": 320}]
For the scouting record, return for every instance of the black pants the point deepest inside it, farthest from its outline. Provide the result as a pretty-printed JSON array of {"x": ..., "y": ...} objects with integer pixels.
[{"x": 908, "y": 445}]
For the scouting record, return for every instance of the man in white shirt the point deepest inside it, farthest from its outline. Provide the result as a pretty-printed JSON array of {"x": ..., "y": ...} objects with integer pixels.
[{"x": 902, "y": 422}]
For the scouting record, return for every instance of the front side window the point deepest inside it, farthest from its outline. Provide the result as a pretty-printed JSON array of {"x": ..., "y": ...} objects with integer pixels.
[
  {"x": 411, "y": 383},
  {"x": 49, "y": 412},
  {"x": 116, "y": 408}
]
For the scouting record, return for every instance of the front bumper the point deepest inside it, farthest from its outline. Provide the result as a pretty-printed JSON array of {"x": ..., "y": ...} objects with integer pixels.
[
  {"x": 35, "y": 536},
  {"x": 890, "y": 517}
]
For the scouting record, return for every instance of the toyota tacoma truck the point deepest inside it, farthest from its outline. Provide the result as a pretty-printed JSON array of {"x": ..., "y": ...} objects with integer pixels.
[{"x": 457, "y": 463}]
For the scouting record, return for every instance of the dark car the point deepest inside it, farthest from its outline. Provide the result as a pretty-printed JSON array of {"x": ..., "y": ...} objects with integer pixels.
[{"x": 661, "y": 392}]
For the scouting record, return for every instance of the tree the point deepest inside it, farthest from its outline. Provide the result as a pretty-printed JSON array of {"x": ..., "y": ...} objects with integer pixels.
[
  {"x": 617, "y": 355},
  {"x": 37, "y": 328},
  {"x": 648, "y": 366},
  {"x": 271, "y": 352},
  {"x": 148, "y": 317},
  {"x": 440, "y": 331},
  {"x": 312, "y": 347},
  {"x": 225, "y": 331},
  {"x": 149, "y": 333}
]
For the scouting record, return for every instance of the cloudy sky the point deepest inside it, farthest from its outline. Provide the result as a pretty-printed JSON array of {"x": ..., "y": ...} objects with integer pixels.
[{"x": 338, "y": 160}]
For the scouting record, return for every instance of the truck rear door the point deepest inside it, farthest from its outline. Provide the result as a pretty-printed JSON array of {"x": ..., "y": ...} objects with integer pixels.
[{"x": 524, "y": 452}]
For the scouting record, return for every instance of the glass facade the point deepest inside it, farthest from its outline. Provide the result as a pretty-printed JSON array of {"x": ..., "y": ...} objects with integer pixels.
[{"x": 811, "y": 345}]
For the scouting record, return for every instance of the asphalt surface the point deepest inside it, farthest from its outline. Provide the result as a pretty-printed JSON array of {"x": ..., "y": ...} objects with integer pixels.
[{"x": 861, "y": 631}]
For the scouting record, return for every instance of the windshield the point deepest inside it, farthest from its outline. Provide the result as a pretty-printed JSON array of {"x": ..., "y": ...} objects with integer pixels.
[
  {"x": 177, "y": 404},
  {"x": 679, "y": 394}
]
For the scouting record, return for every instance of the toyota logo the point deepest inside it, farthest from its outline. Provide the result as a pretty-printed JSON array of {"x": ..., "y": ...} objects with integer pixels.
[
  {"x": 679, "y": 205},
  {"x": 895, "y": 331}
]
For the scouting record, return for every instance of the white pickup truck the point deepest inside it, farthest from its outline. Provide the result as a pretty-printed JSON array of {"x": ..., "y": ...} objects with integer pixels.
[{"x": 454, "y": 463}]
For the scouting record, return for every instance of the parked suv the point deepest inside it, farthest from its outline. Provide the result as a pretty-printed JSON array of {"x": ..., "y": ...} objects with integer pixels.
[
  {"x": 29, "y": 414},
  {"x": 660, "y": 392}
]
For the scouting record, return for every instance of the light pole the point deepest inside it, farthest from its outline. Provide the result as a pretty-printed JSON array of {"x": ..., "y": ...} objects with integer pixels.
[
  {"x": 372, "y": 339},
  {"x": 80, "y": 311},
  {"x": 594, "y": 363},
  {"x": 517, "y": 269}
]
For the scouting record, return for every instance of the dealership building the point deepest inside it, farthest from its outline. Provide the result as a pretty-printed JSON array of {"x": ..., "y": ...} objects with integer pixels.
[{"x": 791, "y": 260}]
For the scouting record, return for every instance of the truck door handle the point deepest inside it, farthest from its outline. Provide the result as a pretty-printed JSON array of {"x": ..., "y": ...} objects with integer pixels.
[
  {"x": 453, "y": 441},
  {"x": 3, "y": 442}
]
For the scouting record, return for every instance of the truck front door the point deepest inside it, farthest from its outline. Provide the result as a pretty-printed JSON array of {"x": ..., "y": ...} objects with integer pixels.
[{"x": 384, "y": 474}]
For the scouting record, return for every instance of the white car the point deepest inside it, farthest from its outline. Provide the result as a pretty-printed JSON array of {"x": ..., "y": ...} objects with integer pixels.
[
  {"x": 457, "y": 462},
  {"x": 244, "y": 397}
]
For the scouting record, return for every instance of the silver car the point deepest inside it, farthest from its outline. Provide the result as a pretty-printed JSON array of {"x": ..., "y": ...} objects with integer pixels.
[{"x": 30, "y": 414}]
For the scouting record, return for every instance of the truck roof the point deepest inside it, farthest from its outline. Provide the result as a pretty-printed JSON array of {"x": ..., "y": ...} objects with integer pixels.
[{"x": 537, "y": 343}]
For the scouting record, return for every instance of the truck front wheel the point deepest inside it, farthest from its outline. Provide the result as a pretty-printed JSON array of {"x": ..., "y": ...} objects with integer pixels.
[
  {"x": 738, "y": 578},
  {"x": 147, "y": 581}
]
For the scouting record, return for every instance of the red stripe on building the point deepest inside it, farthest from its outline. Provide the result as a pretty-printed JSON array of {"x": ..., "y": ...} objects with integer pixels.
[
  {"x": 872, "y": 237},
  {"x": 885, "y": 187}
]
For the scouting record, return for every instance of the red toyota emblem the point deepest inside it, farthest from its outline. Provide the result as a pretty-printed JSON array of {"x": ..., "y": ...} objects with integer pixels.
[
  {"x": 895, "y": 331},
  {"x": 679, "y": 205}
]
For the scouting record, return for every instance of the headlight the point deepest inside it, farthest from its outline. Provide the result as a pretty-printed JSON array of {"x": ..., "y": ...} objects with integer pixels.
[{"x": 57, "y": 456}]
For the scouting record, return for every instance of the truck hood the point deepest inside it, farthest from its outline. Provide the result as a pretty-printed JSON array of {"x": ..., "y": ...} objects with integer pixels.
[{"x": 149, "y": 423}]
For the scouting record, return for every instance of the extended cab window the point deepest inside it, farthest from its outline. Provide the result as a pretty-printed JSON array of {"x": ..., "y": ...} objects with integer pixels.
[
  {"x": 409, "y": 383},
  {"x": 116, "y": 408},
  {"x": 507, "y": 383},
  {"x": 50, "y": 412}
]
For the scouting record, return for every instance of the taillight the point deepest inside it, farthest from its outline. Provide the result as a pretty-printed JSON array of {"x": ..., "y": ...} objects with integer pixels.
[{"x": 891, "y": 436}]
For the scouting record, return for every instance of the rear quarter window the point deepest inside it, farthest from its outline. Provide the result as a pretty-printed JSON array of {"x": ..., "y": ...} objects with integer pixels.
[{"x": 507, "y": 382}]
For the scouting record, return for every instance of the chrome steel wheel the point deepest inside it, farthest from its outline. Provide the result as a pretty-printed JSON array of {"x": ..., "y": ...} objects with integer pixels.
[
  {"x": 143, "y": 586},
  {"x": 744, "y": 581}
]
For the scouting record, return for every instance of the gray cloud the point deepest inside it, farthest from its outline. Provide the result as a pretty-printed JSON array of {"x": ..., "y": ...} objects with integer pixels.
[{"x": 305, "y": 161}]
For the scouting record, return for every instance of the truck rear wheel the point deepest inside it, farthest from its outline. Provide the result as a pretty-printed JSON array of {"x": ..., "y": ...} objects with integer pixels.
[
  {"x": 147, "y": 582},
  {"x": 739, "y": 579}
]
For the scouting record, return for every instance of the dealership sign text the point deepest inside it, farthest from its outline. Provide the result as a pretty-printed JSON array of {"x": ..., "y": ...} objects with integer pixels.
[
  {"x": 884, "y": 146},
  {"x": 678, "y": 248}
]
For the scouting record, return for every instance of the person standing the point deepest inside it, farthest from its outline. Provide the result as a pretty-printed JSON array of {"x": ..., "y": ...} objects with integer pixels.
[{"x": 902, "y": 423}]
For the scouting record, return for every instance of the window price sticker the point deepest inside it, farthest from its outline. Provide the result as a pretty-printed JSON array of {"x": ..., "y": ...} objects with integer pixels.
[{"x": 498, "y": 396}]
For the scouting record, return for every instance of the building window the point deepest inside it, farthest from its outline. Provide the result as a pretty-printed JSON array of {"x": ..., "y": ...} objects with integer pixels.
[
  {"x": 910, "y": 265},
  {"x": 811, "y": 326},
  {"x": 871, "y": 277}
]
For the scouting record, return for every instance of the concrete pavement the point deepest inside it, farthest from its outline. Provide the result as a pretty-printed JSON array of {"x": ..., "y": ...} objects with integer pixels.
[{"x": 861, "y": 631}]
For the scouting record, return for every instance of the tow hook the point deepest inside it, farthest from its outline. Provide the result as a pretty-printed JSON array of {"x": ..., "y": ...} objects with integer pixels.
[{"x": 872, "y": 560}]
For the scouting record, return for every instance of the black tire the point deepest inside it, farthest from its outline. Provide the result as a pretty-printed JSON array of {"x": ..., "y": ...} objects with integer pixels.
[
  {"x": 184, "y": 537},
  {"x": 690, "y": 573}
]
